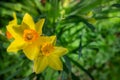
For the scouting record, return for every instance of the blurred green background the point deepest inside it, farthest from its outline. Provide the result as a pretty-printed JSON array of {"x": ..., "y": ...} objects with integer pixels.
[{"x": 90, "y": 29}]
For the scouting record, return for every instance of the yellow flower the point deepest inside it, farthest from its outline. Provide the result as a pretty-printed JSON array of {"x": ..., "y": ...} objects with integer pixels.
[
  {"x": 49, "y": 55},
  {"x": 26, "y": 36}
]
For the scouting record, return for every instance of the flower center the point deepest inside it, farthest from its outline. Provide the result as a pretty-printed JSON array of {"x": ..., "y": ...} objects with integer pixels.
[
  {"x": 47, "y": 48},
  {"x": 30, "y": 35}
]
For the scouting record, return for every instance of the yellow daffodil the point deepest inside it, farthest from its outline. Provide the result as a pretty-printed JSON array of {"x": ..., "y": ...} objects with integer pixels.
[
  {"x": 26, "y": 36},
  {"x": 49, "y": 55}
]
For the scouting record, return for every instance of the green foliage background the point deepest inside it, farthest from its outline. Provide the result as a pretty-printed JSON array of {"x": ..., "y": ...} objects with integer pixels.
[{"x": 90, "y": 29}]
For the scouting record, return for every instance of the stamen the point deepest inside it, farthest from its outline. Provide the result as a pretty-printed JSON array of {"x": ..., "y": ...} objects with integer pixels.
[
  {"x": 30, "y": 35},
  {"x": 47, "y": 48}
]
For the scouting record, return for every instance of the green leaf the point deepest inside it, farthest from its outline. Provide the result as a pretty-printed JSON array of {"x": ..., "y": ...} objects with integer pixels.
[
  {"x": 80, "y": 48},
  {"x": 10, "y": 68},
  {"x": 81, "y": 67},
  {"x": 12, "y": 6},
  {"x": 74, "y": 77},
  {"x": 68, "y": 64},
  {"x": 116, "y": 5}
]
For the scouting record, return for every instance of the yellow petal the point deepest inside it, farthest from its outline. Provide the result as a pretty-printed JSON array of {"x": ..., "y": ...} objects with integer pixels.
[
  {"x": 11, "y": 25},
  {"x": 44, "y": 39},
  {"x": 39, "y": 25},
  {"x": 15, "y": 46},
  {"x": 15, "y": 31},
  {"x": 54, "y": 62},
  {"x": 31, "y": 51},
  {"x": 60, "y": 51},
  {"x": 15, "y": 18},
  {"x": 18, "y": 30},
  {"x": 14, "y": 21},
  {"x": 53, "y": 39},
  {"x": 40, "y": 63},
  {"x": 28, "y": 20}
]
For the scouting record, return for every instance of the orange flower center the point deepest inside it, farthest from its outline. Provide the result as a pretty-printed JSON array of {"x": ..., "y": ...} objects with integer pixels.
[
  {"x": 47, "y": 48},
  {"x": 9, "y": 36},
  {"x": 30, "y": 35}
]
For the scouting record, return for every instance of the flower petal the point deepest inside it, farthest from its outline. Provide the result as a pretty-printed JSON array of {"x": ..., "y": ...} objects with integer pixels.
[
  {"x": 11, "y": 30},
  {"x": 51, "y": 39},
  {"x": 27, "y": 19},
  {"x": 16, "y": 45},
  {"x": 31, "y": 51},
  {"x": 40, "y": 63},
  {"x": 11, "y": 25},
  {"x": 60, "y": 51},
  {"x": 14, "y": 21},
  {"x": 54, "y": 62},
  {"x": 39, "y": 25}
]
